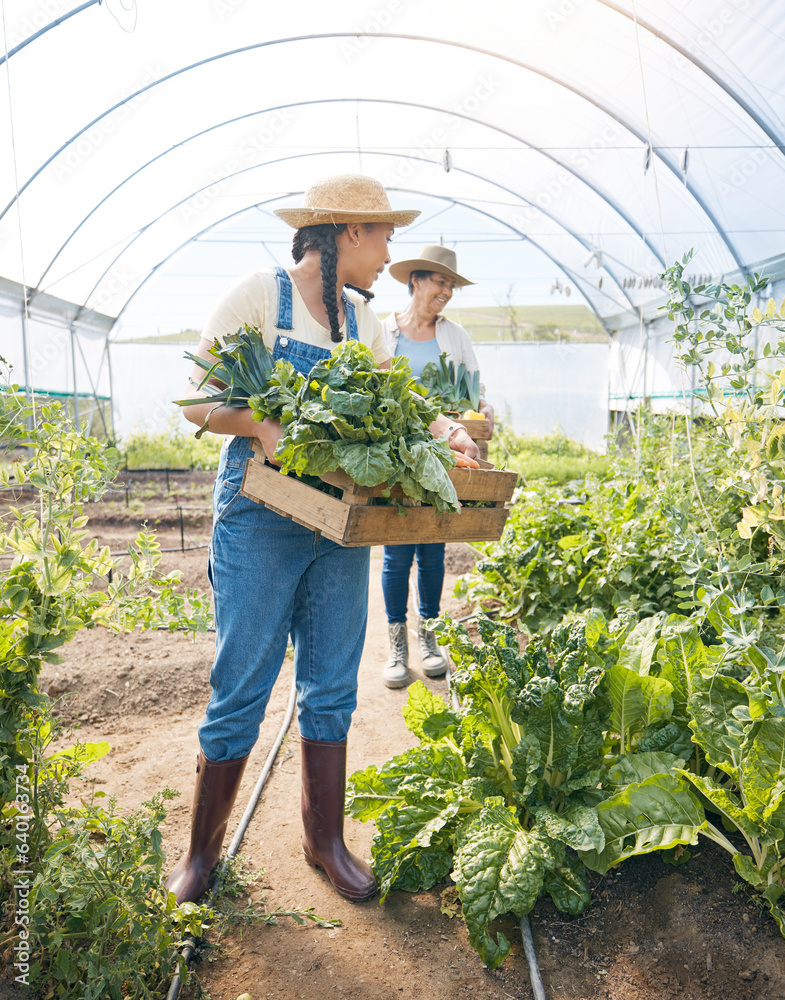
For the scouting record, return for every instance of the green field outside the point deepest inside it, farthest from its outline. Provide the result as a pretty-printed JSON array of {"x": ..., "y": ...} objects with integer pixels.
[{"x": 494, "y": 323}]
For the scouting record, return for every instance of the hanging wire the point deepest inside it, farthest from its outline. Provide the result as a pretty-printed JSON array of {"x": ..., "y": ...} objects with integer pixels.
[
  {"x": 648, "y": 130},
  {"x": 357, "y": 128}
]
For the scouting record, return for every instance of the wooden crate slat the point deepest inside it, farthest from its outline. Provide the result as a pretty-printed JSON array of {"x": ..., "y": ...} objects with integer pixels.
[
  {"x": 309, "y": 507},
  {"x": 484, "y": 484},
  {"x": 385, "y": 526},
  {"x": 478, "y": 430},
  {"x": 470, "y": 484}
]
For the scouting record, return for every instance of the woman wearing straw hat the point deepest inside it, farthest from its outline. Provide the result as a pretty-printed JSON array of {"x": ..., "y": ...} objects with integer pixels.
[
  {"x": 422, "y": 334},
  {"x": 271, "y": 577}
]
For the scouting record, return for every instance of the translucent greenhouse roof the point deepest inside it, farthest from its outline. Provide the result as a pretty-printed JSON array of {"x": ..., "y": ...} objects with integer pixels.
[{"x": 607, "y": 137}]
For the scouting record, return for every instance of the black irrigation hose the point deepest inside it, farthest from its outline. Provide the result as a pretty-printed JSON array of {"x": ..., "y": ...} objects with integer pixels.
[{"x": 189, "y": 948}]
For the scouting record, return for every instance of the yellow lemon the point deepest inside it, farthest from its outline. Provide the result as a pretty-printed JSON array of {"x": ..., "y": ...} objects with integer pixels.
[{"x": 472, "y": 415}]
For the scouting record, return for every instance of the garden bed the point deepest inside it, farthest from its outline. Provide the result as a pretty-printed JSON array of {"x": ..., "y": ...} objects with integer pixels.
[{"x": 653, "y": 931}]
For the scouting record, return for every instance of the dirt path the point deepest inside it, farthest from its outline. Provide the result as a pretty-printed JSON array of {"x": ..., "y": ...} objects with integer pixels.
[{"x": 654, "y": 931}]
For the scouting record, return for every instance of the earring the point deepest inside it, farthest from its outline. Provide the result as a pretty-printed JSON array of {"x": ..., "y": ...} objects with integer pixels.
[{"x": 357, "y": 243}]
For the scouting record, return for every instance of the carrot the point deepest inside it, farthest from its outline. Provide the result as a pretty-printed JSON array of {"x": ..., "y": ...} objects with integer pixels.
[{"x": 463, "y": 462}]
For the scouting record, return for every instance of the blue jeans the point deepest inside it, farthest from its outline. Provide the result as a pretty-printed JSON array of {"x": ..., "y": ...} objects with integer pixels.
[
  {"x": 273, "y": 578},
  {"x": 395, "y": 579}
]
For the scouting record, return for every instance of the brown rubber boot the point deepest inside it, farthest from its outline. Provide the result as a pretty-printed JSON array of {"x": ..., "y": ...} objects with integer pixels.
[
  {"x": 216, "y": 789},
  {"x": 324, "y": 788}
]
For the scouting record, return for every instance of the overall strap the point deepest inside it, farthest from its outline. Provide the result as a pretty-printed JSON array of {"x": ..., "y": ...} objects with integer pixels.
[
  {"x": 351, "y": 319},
  {"x": 284, "y": 283}
]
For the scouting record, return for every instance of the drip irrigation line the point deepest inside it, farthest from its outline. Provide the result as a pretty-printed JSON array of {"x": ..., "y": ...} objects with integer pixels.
[
  {"x": 526, "y": 932},
  {"x": 531, "y": 959},
  {"x": 189, "y": 948}
]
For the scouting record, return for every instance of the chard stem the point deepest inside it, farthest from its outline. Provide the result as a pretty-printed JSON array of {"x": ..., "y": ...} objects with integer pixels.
[{"x": 718, "y": 837}]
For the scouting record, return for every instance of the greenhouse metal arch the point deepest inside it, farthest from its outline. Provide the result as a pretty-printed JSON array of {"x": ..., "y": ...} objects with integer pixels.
[{"x": 675, "y": 173}]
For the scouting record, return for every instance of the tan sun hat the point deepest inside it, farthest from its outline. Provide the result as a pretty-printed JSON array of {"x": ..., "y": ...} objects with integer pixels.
[
  {"x": 432, "y": 258},
  {"x": 345, "y": 198}
]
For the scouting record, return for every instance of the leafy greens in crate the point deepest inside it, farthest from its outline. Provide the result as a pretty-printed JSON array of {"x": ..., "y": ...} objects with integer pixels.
[
  {"x": 452, "y": 389},
  {"x": 347, "y": 414}
]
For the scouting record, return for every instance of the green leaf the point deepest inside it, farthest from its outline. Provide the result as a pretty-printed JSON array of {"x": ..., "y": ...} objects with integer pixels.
[
  {"x": 499, "y": 868},
  {"x": 728, "y": 805},
  {"x": 577, "y": 826},
  {"x": 82, "y": 753},
  {"x": 658, "y": 813},
  {"x": 763, "y": 767},
  {"x": 637, "y": 701},
  {"x": 682, "y": 655},
  {"x": 426, "y": 714},
  {"x": 636, "y": 767},
  {"x": 638, "y": 649},
  {"x": 404, "y": 856},
  {"x": 566, "y": 885},
  {"x": 433, "y": 771},
  {"x": 367, "y": 464},
  {"x": 717, "y": 730}
]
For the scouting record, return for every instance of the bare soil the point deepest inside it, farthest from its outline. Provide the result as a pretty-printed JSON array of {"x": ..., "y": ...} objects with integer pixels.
[{"x": 653, "y": 931}]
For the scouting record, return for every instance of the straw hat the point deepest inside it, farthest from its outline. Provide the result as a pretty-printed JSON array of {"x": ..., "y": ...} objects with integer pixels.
[
  {"x": 345, "y": 198},
  {"x": 432, "y": 258}
]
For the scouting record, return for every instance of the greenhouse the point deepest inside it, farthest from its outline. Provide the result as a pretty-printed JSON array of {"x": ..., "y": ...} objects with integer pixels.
[
  {"x": 601, "y": 696},
  {"x": 582, "y": 152}
]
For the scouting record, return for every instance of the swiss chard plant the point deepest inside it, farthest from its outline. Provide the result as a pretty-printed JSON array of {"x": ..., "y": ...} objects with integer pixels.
[
  {"x": 598, "y": 742},
  {"x": 503, "y": 793},
  {"x": 735, "y": 778}
]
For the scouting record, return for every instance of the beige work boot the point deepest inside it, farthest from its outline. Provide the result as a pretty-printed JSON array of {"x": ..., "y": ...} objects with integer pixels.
[
  {"x": 396, "y": 671},
  {"x": 434, "y": 661}
]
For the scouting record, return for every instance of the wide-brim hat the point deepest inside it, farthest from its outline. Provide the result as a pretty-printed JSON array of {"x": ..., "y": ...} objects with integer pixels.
[
  {"x": 432, "y": 258},
  {"x": 345, "y": 198}
]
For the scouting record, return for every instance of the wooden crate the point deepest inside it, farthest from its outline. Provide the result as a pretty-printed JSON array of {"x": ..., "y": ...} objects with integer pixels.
[
  {"x": 353, "y": 520},
  {"x": 480, "y": 432}
]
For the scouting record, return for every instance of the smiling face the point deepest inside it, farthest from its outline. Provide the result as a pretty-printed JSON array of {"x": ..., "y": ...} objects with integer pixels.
[
  {"x": 364, "y": 263},
  {"x": 432, "y": 294}
]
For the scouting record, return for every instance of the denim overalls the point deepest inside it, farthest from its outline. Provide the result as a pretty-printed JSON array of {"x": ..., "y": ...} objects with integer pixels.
[{"x": 273, "y": 578}]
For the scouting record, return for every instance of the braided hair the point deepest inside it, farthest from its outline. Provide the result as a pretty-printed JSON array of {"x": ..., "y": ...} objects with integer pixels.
[{"x": 322, "y": 240}]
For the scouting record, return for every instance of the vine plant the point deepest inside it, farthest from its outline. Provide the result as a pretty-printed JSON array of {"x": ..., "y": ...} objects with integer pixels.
[
  {"x": 55, "y": 581},
  {"x": 741, "y": 375}
]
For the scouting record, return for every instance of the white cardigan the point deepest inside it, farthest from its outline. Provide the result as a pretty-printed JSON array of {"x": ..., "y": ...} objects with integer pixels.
[{"x": 451, "y": 339}]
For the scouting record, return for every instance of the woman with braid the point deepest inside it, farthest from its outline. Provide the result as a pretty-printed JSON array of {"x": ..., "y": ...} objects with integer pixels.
[{"x": 271, "y": 577}]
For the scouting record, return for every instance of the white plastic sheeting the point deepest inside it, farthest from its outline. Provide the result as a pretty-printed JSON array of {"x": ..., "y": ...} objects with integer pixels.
[
  {"x": 544, "y": 388},
  {"x": 608, "y": 137}
]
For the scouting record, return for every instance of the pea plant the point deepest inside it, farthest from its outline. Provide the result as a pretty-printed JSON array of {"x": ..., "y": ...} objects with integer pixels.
[
  {"x": 55, "y": 581},
  {"x": 740, "y": 369}
]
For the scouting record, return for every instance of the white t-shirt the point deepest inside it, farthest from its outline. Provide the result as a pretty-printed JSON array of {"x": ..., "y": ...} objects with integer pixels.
[{"x": 253, "y": 299}]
